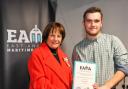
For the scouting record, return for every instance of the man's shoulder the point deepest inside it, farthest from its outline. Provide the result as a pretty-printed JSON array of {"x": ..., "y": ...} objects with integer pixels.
[{"x": 110, "y": 36}]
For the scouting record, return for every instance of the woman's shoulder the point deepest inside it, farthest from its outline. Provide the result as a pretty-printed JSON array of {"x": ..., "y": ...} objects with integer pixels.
[{"x": 40, "y": 48}]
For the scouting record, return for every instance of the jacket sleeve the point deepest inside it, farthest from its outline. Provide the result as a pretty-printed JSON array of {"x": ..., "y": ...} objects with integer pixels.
[{"x": 38, "y": 79}]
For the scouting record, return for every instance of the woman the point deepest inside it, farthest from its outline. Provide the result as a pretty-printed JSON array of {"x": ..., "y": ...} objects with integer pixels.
[{"x": 48, "y": 66}]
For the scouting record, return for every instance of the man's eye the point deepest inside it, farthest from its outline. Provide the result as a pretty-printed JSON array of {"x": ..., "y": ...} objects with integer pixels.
[
  {"x": 89, "y": 20},
  {"x": 96, "y": 21}
]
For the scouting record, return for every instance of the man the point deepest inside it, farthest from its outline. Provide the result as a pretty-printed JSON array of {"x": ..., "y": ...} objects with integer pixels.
[{"x": 107, "y": 51}]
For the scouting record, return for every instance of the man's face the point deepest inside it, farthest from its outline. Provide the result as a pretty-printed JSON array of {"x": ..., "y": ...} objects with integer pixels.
[{"x": 93, "y": 24}]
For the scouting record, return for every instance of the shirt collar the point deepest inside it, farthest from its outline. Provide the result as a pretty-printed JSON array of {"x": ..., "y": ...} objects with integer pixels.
[{"x": 98, "y": 39}]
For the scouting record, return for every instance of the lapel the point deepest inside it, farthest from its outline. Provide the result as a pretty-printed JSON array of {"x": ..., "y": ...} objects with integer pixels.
[{"x": 59, "y": 68}]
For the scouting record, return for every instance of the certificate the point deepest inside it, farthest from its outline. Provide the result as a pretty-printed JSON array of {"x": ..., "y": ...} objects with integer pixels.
[{"x": 84, "y": 75}]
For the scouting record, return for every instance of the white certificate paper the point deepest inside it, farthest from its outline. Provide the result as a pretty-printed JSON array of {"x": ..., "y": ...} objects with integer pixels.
[{"x": 84, "y": 75}]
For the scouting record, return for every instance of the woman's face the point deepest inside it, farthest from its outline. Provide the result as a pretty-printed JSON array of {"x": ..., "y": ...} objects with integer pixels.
[{"x": 54, "y": 39}]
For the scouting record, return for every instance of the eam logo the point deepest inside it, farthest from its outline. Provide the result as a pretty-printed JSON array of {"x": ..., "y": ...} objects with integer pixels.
[
  {"x": 20, "y": 41},
  {"x": 35, "y": 36}
]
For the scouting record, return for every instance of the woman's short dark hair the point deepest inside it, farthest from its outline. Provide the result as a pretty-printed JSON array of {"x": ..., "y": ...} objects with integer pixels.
[
  {"x": 52, "y": 26},
  {"x": 92, "y": 10}
]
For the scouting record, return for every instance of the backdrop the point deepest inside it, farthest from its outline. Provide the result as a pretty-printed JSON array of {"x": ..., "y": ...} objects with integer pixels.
[{"x": 21, "y": 24}]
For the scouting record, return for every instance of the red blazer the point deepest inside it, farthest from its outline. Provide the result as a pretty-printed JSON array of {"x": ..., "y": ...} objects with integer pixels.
[{"x": 46, "y": 72}]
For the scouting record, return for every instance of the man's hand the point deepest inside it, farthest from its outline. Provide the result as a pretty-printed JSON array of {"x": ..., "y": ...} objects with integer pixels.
[{"x": 96, "y": 86}]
